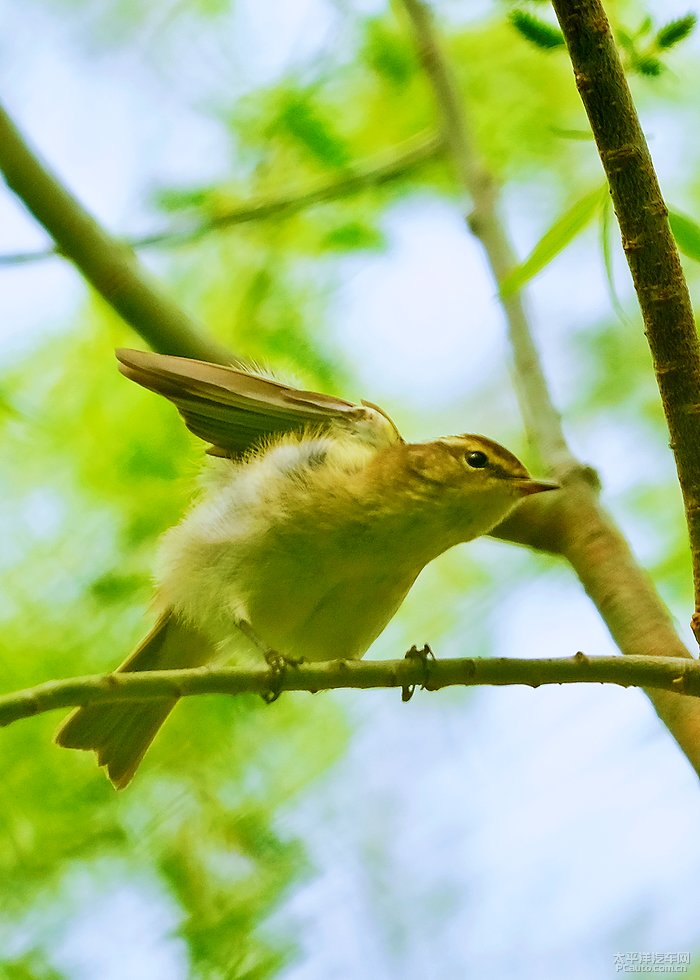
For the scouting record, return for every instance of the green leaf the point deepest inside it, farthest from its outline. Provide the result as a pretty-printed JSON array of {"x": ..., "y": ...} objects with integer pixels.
[
  {"x": 389, "y": 54},
  {"x": 606, "y": 243},
  {"x": 113, "y": 586},
  {"x": 352, "y": 236},
  {"x": 687, "y": 234},
  {"x": 584, "y": 135},
  {"x": 566, "y": 227},
  {"x": 645, "y": 26},
  {"x": 7, "y": 407},
  {"x": 647, "y": 65},
  {"x": 182, "y": 198},
  {"x": 306, "y": 124},
  {"x": 537, "y": 31},
  {"x": 624, "y": 39},
  {"x": 675, "y": 31}
]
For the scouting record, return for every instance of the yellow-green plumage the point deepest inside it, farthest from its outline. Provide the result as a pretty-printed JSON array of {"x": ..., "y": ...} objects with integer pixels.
[{"x": 306, "y": 538}]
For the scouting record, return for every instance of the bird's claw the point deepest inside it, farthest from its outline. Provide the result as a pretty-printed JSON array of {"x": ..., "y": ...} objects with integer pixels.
[
  {"x": 278, "y": 664},
  {"x": 424, "y": 655}
]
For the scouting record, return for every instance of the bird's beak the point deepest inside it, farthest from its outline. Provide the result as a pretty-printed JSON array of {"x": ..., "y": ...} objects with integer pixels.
[{"x": 526, "y": 487}]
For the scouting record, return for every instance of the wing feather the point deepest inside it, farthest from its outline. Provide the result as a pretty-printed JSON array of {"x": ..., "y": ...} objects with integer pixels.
[{"x": 233, "y": 410}]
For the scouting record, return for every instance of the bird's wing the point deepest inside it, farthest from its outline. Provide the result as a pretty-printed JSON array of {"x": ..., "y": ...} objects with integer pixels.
[{"x": 234, "y": 410}]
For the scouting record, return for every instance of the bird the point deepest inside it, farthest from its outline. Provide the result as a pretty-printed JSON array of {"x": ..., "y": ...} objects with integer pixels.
[{"x": 313, "y": 521}]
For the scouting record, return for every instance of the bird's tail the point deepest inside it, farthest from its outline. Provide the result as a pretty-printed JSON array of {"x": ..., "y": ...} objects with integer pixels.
[{"x": 121, "y": 732}]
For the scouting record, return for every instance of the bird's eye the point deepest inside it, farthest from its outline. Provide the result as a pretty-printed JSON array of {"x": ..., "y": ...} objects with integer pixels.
[{"x": 477, "y": 459}]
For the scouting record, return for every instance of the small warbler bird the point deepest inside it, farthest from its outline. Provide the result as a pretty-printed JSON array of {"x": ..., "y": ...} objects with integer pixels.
[{"x": 311, "y": 528}]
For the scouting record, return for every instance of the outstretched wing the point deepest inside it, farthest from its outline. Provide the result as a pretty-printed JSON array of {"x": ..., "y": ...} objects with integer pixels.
[{"x": 233, "y": 410}]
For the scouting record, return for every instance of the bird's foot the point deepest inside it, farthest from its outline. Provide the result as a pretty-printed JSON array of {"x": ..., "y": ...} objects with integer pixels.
[
  {"x": 278, "y": 665},
  {"x": 425, "y": 655}
]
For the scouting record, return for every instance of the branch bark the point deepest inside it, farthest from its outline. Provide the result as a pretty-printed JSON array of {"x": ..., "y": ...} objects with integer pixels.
[
  {"x": 664, "y": 673},
  {"x": 572, "y": 524},
  {"x": 647, "y": 241}
]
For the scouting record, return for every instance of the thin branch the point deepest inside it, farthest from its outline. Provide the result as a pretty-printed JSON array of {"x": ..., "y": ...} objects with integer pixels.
[
  {"x": 110, "y": 267},
  {"x": 664, "y": 673},
  {"x": 402, "y": 161},
  {"x": 648, "y": 243},
  {"x": 574, "y": 524},
  {"x": 542, "y": 420}
]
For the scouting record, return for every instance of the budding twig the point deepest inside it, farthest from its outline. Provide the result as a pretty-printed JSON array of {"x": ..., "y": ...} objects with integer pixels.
[{"x": 664, "y": 673}]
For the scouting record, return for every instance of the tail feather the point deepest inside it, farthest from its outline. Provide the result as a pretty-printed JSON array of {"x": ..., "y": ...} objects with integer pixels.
[{"x": 120, "y": 733}]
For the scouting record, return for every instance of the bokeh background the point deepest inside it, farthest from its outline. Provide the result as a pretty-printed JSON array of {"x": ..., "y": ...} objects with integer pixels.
[{"x": 498, "y": 833}]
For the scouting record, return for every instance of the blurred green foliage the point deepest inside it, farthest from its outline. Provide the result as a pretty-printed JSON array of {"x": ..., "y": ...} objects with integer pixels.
[
  {"x": 103, "y": 473},
  {"x": 94, "y": 469}
]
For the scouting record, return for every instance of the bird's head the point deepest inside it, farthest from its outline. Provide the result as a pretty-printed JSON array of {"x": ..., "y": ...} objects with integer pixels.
[{"x": 471, "y": 480}]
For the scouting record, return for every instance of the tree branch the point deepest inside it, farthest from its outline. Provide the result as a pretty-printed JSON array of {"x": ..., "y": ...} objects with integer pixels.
[
  {"x": 572, "y": 523},
  {"x": 664, "y": 673},
  {"x": 647, "y": 241},
  {"x": 110, "y": 267},
  {"x": 403, "y": 160}
]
